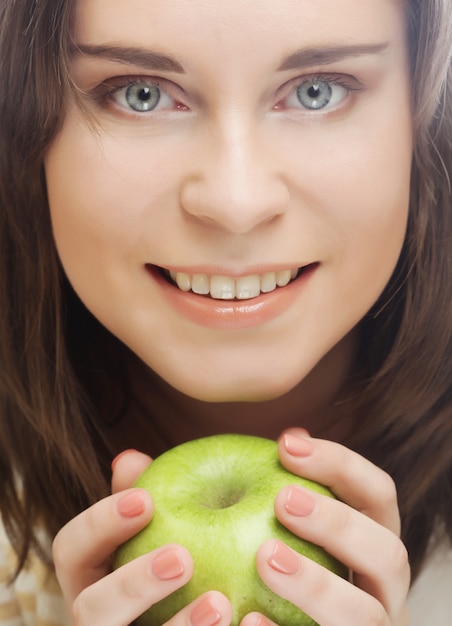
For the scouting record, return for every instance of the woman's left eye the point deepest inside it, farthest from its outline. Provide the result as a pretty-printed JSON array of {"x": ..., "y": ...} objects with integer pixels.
[
  {"x": 142, "y": 96},
  {"x": 316, "y": 94}
]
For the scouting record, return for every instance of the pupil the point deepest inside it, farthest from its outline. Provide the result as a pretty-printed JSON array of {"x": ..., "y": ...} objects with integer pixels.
[
  {"x": 143, "y": 97},
  {"x": 144, "y": 94},
  {"x": 314, "y": 91}
]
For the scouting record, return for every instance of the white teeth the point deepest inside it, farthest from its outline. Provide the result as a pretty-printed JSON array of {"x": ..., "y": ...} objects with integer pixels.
[
  {"x": 222, "y": 287},
  {"x": 229, "y": 288},
  {"x": 200, "y": 284},
  {"x": 268, "y": 282},
  {"x": 283, "y": 278},
  {"x": 183, "y": 281},
  {"x": 247, "y": 287}
]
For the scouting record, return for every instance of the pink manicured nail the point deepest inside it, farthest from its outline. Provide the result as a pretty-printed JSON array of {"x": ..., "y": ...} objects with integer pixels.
[
  {"x": 167, "y": 565},
  {"x": 299, "y": 502},
  {"x": 205, "y": 614},
  {"x": 132, "y": 504},
  {"x": 297, "y": 446},
  {"x": 283, "y": 560}
]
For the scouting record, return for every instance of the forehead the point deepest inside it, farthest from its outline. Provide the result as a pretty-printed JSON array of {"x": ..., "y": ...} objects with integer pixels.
[{"x": 262, "y": 27}]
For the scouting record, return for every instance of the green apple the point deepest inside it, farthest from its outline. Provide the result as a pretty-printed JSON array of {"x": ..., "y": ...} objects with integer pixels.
[{"x": 215, "y": 496}]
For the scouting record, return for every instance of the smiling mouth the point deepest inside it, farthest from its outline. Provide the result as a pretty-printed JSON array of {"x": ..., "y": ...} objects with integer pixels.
[{"x": 220, "y": 287}]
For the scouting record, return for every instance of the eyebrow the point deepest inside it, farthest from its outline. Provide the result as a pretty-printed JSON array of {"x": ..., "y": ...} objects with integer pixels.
[
  {"x": 147, "y": 59},
  {"x": 308, "y": 57},
  {"x": 155, "y": 61}
]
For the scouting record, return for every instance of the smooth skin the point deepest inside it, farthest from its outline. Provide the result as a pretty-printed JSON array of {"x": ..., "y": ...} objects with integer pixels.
[{"x": 232, "y": 175}]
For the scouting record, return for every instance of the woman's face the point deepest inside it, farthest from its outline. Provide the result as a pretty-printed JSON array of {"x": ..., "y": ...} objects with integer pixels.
[{"x": 234, "y": 145}]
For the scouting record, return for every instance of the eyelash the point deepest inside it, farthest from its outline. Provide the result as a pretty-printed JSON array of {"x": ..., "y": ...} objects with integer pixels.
[
  {"x": 347, "y": 83},
  {"x": 105, "y": 92}
]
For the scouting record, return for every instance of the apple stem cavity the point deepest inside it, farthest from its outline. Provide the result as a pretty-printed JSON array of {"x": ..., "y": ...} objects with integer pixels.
[{"x": 223, "y": 499}]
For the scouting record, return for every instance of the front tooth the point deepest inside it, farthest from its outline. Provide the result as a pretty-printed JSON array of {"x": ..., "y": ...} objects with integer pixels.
[
  {"x": 183, "y": 281},
  {"x": 247, "y": 287},
  {"x": 268, "y": 282},
  {"x": 200, "y": 284},
  {"x": 228, "y": 288},
  {"x": 222, "y": 287},
  {"x": 283, "y": 278}
]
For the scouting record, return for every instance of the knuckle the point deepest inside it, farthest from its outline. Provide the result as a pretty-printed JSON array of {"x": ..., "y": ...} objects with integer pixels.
[
  {"x": 399, "y": 559},
  {"x": 386, "y": 490},
  {"x": 376, "y": 614},
  {"x": 97, "y": 522},
  {"x": 59, "y": 553},
  {"x": 318, "y": 584},
  {"x": 128, "y": 587},
  {"x": 80, "y": 611},
  {"x": 344, "y": 460},
  {"x": 339, "y": 520},
  {"x": 91, "y": 521},
  {"x": 346, "y": 465}
]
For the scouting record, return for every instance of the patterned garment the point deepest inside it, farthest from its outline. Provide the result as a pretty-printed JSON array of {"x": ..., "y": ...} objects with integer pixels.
[{"x": 34, "y": 599}]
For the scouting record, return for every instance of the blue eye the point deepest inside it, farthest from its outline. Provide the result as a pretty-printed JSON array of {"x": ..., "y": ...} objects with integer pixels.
[
  {"x": 315, "y": 94},
  {"x": 142, "y": 97}
]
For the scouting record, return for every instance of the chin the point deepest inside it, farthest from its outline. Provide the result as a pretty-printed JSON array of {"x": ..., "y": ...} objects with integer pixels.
[{"x": 236, "y": 390}]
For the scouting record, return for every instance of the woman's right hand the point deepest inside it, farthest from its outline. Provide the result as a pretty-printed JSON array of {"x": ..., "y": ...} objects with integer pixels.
[{"x": 83, "y": 551}]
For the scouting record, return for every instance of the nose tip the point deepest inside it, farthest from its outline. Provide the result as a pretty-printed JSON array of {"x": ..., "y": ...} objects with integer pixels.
[
  {"x": 235, "y": 185},
  {"x": 238, "y": 207}
]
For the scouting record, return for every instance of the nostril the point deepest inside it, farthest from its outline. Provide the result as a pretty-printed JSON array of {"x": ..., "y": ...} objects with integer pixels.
[{"x": 237, "y": 201}]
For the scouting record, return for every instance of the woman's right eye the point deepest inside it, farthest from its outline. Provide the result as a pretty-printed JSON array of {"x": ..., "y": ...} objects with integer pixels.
[{"x": 139, "y": 96}]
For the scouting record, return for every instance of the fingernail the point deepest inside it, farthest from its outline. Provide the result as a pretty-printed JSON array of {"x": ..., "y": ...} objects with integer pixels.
[
  {"x": 297, "y": 446},
  {"x": 205, "y": 613},
  {"x": 132, "y": 504},
  {"x": 119, "y": 456},
  {"x": 299, "y": 502},
  {"x": 283, "y": 560},
  {"x": 167, "y": 565}
]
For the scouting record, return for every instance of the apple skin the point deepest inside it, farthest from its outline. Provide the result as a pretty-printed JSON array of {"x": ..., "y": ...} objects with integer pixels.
[{"x": 215, "y": 496}]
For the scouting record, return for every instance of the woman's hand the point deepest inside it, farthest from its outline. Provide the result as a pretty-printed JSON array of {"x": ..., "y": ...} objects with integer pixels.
[
  {"x": 361, "y": 529},
  {"x": 83, "y": 552}
]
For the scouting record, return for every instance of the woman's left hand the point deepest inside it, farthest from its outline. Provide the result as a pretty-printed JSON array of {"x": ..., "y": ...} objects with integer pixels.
[{"x": 361, "y": 529}]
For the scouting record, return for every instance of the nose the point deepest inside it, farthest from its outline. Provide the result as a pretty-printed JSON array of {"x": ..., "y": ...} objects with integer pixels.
[{"x": 234, "y": 183}]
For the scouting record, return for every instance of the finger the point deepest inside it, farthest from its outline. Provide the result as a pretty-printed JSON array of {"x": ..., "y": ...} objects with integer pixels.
[
  {"x": 134, "y": 587},
  {"x": 351, "y": 477},
  {"x": 210, "y": 609},
  {"x": 325, "y": 597},
  {"x": 127, "y": 467},
  {"x": 82, "y": 549},
  {"x": 257, "y": 619},
  {"x": 376, "y": 556}
]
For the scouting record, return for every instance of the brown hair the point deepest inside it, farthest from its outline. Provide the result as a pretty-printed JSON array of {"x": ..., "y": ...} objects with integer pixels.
[{"x": 54, "y": 451}]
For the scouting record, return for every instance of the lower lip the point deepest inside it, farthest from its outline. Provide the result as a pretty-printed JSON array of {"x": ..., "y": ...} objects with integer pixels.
[{"x": 232, "y": 314}]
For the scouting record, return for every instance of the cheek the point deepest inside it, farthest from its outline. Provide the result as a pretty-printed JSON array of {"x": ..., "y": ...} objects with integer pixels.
[
  {"x": 364, "y": 195},
  {"x": 99, "y": 198},
  {"x": 362, "y": 208}
]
